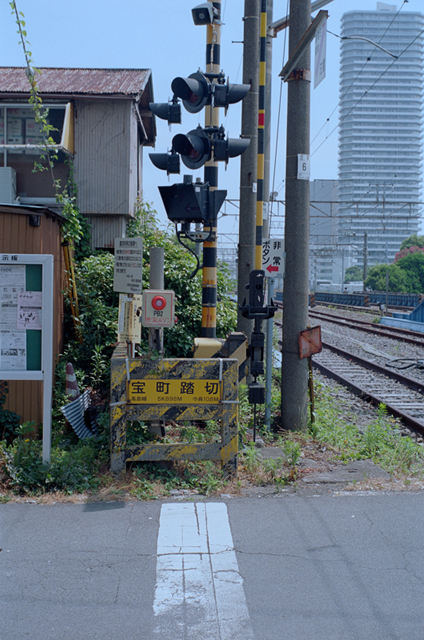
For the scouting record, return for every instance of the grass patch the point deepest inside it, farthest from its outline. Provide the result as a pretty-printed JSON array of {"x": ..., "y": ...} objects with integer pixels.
[{"x": 380, "y": 441}]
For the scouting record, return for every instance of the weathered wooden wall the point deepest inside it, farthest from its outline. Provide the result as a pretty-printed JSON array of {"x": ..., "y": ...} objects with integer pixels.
[{"x": 17, "y": 236}]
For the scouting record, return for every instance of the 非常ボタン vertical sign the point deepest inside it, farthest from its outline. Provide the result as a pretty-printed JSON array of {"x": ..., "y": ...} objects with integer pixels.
[
  {"x": 273, "y": 258},
  {"x": 128, "y": 269}
]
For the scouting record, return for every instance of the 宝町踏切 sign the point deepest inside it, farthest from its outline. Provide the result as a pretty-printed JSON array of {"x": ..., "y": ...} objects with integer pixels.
[{"x": 174, "y": 391}]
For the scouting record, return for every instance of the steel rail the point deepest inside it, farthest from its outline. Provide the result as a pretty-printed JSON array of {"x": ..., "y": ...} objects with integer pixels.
[
  {"x": 393, "y": 332},
  {"x": 411, "y": 383},
  {"x": 409, "y": 420},
  {"x": 367, "y": 323},
  {"x": 365, "y": 394}
]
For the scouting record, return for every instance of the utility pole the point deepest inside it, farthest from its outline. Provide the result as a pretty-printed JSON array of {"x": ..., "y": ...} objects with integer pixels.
[
  {"x": 365, "y": 255},
  {"x": 261, "y": 138},
  {"x": 266, "y": 225},
  {"x": 209, "y": 277},
  {"x": 267, "y": 135},
  {"x": 294, "y": 387},
  {"x": 199, "y": 203},
  {"x": 248, "y": 161}
]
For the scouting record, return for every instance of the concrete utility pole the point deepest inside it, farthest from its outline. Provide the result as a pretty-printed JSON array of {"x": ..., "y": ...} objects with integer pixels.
[
  {"x": 248, "y": 161},
  {"x": 268, "y": 93},
  {"x": 266, "y": 226},
  {"x": 294, "y": 387}
]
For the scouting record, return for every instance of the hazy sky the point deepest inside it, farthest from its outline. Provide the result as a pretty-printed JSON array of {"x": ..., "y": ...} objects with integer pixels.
[{"x": 160, "y": 35}]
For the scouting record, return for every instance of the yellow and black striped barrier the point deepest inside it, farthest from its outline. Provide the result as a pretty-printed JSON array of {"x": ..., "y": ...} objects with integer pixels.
[
  {"x": 179, "y": 390},
  {"x": 235, "y": 345}
]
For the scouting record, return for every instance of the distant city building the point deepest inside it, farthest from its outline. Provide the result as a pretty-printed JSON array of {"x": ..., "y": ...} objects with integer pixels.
[
  {"x": 229, "y": 255},
  {"x": 328, "y": 259},
  {"x": 380, "y": 139}
]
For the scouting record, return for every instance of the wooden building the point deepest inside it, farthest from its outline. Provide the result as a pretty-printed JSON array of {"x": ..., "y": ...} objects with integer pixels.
[
  {"x": 101, "y": 121},
  {"x": 34, "y": 230}
]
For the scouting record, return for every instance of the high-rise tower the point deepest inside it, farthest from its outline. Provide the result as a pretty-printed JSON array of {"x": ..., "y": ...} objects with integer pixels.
[{"x": 380, "y": 135}]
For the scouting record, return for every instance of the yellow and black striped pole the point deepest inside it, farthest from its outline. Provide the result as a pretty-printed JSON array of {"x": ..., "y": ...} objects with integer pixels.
[
  {"x": 209, "y": 281},
  {"x": 261, "y": 137}
]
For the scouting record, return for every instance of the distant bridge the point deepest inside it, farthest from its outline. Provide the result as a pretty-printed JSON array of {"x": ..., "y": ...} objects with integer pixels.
[{"x": 365, "y": 299}]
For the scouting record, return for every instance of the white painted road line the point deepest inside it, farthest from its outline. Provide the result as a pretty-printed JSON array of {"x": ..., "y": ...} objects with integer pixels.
[{"x": 199, "y": 591}]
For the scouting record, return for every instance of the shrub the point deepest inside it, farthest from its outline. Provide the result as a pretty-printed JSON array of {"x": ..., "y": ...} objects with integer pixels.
[{"x": 9, "y": 421}]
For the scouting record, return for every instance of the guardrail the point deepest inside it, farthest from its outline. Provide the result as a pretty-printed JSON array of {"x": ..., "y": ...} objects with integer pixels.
[{"x": 364, "y": 299}]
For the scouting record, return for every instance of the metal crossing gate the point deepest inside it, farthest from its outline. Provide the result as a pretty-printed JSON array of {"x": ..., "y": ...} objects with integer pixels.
[{"x": 173, "y": 389}]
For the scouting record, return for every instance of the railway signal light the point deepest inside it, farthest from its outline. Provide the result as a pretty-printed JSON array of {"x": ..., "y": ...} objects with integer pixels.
[
  {"x": 195, "y": 148},
  {"x": 194, "y": 91},
  {"x": 192, "y": 202},
  {"x": 170, "y": 111},
  {"x": 224, "y": 149},
  {"x": 169, "y": 162},
  {"x": 225, "y": 93}
]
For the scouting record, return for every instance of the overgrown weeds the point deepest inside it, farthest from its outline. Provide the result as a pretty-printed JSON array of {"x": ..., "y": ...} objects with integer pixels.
[{"x": 381, "y": 440}]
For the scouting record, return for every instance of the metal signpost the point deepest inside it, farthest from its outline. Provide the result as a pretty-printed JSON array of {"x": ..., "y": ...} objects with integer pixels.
[{"x": 310, "y": 343}]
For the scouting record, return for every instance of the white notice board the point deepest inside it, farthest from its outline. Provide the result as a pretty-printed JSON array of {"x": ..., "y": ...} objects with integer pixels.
[
  {"x": 128, "y": 266},
  {"x": 26, "y": 326}
]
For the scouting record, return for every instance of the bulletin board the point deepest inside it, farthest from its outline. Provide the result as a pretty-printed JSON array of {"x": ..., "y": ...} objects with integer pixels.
[{"x": 26, "y": 326}]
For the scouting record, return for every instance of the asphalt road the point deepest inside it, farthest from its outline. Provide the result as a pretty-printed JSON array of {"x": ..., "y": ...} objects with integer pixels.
[{"x": 286, "y": 567}]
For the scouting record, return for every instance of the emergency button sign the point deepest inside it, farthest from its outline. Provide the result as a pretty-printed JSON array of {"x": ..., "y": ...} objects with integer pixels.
[
  {"x": 158, "y": 308},
  {"x": 158, "y": 303}
]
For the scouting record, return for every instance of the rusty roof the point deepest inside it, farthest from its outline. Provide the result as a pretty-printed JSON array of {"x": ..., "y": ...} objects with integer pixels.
[{"x": 125, "y": 82}]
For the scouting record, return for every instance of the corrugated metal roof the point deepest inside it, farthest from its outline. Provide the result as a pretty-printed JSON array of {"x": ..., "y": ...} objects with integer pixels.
[
  {"x": 125, "y": 82},
  {"x": 32, "y": 208}
]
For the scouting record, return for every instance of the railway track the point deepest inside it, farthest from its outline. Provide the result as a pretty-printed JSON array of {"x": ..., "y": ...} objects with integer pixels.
[
  {"x": 404, "y": 335},
  {"x": 373, "y": 309},
  {"x": 403, "y": 396}
]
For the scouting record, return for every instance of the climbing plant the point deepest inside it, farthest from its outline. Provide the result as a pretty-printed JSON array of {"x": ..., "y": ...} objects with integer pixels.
[{"x": 73, "y": 228}]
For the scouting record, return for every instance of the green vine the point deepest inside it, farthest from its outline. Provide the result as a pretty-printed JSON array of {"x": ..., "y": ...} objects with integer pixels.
[{"x": 73, "y": 228}]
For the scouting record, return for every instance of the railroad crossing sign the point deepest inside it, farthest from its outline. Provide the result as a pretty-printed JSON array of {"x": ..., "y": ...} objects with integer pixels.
[
  {"x": 273, "y": 258},
  {"x": 177, "y": 389},
  {"x": 187, "y": 391}
]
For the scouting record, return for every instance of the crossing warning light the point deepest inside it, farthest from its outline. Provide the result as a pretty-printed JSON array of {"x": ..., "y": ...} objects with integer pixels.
[
  {"x": 194, "y": 91},
  {"x": 194, "y": 148},
  {"x": 226, "y": 148},
  {"x": 169, "y": 162},
  {"x": 193, "y": 202},
  {"x": 170, "y": 111},
  {"x": 197, "y": 91}
]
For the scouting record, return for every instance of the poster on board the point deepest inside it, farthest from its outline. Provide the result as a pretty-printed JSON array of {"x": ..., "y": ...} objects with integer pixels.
[{"x": 30, "y": 310}]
